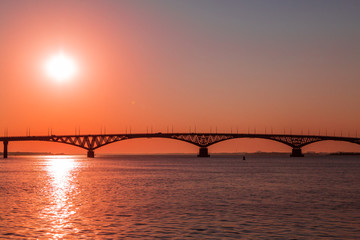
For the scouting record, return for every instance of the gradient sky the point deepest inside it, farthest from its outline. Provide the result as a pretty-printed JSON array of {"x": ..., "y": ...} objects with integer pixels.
[{"x": 231, "y": 64}]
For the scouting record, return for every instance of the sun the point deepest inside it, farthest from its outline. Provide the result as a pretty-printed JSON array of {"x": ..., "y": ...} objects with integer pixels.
[{"x": 60, "y": 67}]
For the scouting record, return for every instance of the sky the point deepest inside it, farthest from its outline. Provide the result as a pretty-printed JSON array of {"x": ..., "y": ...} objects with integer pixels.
[{"x": 285, "y": 66}]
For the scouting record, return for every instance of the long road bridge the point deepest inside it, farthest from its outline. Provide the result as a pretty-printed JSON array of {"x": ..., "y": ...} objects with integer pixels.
[{"x": 202, "y": 140}]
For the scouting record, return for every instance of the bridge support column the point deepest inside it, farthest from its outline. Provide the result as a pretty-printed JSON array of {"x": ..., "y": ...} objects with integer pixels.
[
  {"x": 5, "y": 149},
  {"x": 296, "y": 152},
  {"x": 203, "y": 152},
  {"x": 90, "y": 153}
]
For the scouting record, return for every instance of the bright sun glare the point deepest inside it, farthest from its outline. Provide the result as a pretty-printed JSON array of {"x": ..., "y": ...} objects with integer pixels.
[{"x": 60, "y": 67}]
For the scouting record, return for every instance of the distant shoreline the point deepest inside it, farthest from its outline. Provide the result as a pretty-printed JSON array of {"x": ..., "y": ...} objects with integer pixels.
[
  {"x": 218, "y": 154},
  {"x": 32, "y": 153}
]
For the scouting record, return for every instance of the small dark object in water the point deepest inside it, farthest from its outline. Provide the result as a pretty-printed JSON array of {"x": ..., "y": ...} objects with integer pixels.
[{"x": 243, "y": 157}]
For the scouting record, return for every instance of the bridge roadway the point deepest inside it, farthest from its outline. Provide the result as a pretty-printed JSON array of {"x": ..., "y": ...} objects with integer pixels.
[{"x": 202, "y": 140}]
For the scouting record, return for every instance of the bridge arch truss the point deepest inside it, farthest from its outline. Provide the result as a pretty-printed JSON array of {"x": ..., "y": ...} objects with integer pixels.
[{"x": 202, "y": 140}]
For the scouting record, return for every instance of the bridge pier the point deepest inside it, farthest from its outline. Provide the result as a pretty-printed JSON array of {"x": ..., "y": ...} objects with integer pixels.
[
  {"x": 203, "y": 152},
  {"x": 296, "y": 152},
  {"x": 90, "y": 154},
  {"x": 5, "y": 149}
]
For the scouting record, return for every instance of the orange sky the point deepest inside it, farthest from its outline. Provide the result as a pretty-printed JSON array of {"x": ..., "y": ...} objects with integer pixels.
[{"x": 234, "y": 65}]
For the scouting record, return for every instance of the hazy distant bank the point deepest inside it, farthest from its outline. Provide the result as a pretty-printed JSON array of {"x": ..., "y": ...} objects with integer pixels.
[
  {"x": 32, "y": 153},
  {"x": 190, "y": 154}
]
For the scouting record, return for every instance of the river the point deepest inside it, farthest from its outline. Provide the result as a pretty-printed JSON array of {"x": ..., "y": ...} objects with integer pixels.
[{"x": 180, "y": 197}]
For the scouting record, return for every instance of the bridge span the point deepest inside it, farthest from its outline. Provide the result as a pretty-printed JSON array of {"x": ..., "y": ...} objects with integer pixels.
[{"x": 202, "y": 140}]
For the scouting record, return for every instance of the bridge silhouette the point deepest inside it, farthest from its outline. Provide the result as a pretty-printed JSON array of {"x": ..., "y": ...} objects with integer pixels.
[{"x": 202, "y": 140}]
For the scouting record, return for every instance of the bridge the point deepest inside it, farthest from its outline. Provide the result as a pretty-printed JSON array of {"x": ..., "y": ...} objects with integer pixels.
[{"x": 202, "y": 140}]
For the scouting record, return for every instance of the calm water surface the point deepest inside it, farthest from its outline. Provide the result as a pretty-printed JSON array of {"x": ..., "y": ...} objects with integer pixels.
[{"x": 180, "y": 197}]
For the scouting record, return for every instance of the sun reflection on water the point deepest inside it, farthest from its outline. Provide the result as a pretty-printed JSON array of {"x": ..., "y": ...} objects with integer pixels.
[{"x": 61, "y": 190}]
